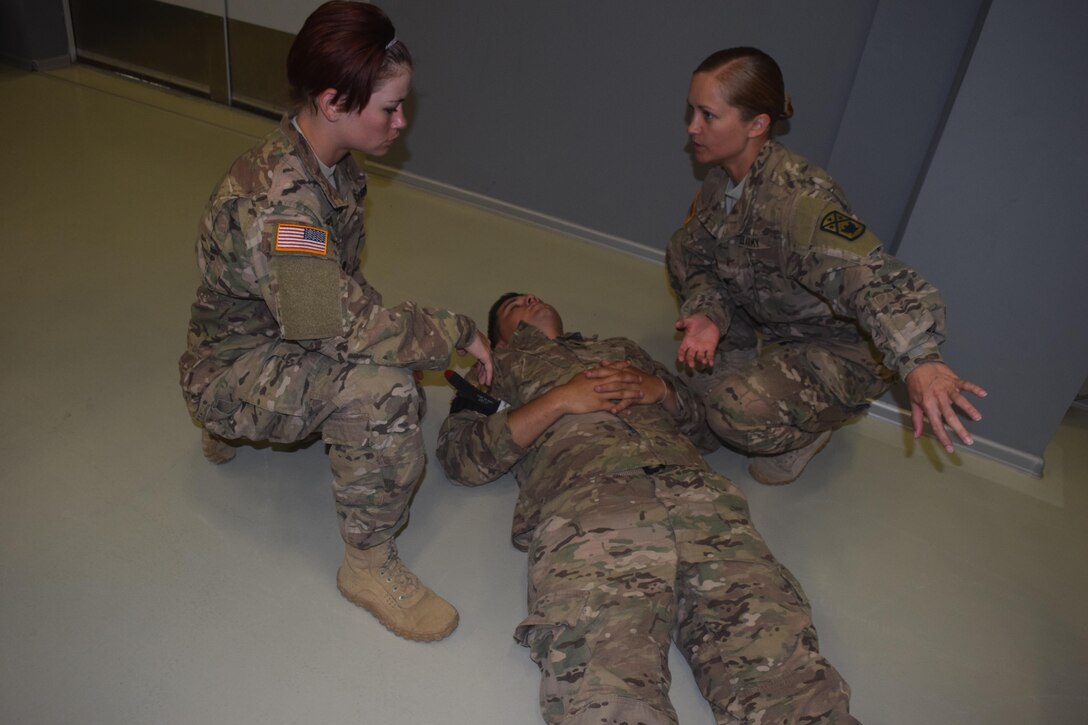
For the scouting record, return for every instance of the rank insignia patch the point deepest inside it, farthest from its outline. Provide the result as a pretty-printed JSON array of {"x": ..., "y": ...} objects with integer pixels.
[
  {"x": 841, "y": 225},
  {"x": 299, "y": 238}
]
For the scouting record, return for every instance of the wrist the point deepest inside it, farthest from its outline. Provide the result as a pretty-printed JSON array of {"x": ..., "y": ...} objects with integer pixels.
[
  {"x": 666, "y": 390},
  {"x": 558, "y": 401}
]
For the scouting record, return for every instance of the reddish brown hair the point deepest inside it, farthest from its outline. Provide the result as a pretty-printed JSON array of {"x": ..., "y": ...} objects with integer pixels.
[
  {"x": 348, "y": 46},
  {"x": 751, "y": 81}
]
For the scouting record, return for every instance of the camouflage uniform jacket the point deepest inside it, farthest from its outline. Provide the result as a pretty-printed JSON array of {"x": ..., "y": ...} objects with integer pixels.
[
  {"x": 792, "y": 263},
  {"x": 475, "y": 449},
  {"x": 278, "y": 252}
]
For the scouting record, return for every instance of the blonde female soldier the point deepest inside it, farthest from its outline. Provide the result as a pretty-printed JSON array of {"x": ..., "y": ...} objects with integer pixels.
[{"x": 794, "y": 318}]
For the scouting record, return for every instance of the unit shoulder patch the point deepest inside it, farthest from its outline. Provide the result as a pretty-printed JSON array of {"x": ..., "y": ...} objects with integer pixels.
[
  {"x": 841, "y": 225},
  {"x": 301, "y": 238},
  {"x": 822, "y": 223}
]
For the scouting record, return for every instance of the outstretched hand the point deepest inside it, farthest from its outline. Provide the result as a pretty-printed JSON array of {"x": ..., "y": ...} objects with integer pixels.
[
  {"x": 933, "y": 390},
  {"x": 480, "y": 350},
  {"x": 699, "y": 342}
]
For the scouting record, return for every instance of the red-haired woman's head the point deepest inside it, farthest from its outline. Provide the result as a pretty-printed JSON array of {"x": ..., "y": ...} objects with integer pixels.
[{"x": 348, "y": 46}]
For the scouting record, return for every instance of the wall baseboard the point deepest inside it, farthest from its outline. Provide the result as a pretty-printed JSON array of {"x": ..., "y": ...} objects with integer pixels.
[
  {"x": 35, "y": 64},
  {"x": 57, "y": 61},
  {"x": 983, "y": 447},
  {"x": 520, "y": 213}
]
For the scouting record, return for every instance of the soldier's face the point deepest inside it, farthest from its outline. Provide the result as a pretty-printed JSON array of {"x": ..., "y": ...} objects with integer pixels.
[
  {"x": 531, "y": 310},
  {"x": 717, "y": 131},
  {"x": 373, "y": 129}
]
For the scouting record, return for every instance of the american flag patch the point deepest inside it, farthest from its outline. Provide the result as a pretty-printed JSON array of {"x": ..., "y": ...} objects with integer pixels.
[{"x": 299, "y": 238}]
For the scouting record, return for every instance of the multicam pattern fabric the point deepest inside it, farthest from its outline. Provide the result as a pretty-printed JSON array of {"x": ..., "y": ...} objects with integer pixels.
[
  {"x": 368, "y": 415},
  {"x": 780, "y": 397},
  {"x": 770, "y": 263},
  {"x": 791, "y": 265},
  {"x": 633, "y": 541},
  {"x": 288, "y": 340},
  {"x": 576, "y": 446},
  {"x": 246, "y": 284}
]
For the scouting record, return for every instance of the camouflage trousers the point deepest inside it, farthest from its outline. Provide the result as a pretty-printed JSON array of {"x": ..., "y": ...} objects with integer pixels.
[
  {"x": 779, "y": 397},
  {"x": 368, "y": 415},
  {"x": 625, "y": 563}
]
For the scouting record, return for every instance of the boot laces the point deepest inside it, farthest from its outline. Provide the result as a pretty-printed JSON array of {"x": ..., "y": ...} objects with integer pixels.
[{"x": 404, "y": 582}]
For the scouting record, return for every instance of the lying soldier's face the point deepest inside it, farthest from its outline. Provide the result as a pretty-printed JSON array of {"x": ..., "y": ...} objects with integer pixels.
[{"x": 531, "y": 310}]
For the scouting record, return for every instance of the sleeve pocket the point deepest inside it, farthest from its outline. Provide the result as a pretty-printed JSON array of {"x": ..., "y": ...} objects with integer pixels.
[{"x": 309, "y": 297}]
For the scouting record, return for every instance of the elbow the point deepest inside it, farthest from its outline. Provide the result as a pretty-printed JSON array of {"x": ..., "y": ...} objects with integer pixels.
[
  {"x": 471, "y": 481},
  {"x": 467, "y": 475},
  {"x": 463, "y": 469}
]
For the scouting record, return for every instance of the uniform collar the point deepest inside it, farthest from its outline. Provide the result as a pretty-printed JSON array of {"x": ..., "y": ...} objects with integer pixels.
[
  {"x": 717, "y": 181},
  {"x": 710, "y": 209},
  {"x": 733, "y": 191},
  {"x": 529, "y": 337},
  {"x": 348, "y": 174},
  {"x": 760, "y": 166}
]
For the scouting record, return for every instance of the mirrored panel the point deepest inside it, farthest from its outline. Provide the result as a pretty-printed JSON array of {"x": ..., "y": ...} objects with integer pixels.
[{"x": 179, "y": 44}]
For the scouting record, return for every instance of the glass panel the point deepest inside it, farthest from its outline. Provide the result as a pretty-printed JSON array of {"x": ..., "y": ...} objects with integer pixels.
[
  {"x": 183, "y": 43},
  {"x": 261, "y": 32},
  {"x": 258, "y": 67},
  {"x": 180, "y": 44}
]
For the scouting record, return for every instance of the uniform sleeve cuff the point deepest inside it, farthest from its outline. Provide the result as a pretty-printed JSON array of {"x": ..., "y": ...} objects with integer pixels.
[
  {"x": 500, "y": 439},
  {"x": 715, "y": 314},
  {"x": 466, "y": 331},
  {"x": 926, "y": 353}
]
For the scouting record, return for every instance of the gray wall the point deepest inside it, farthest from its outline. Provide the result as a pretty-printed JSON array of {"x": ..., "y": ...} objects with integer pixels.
[
  {"x": 997, "y": 222},
  {"x": 904, "y": 84},
  {"x": 513, "y": 96}
]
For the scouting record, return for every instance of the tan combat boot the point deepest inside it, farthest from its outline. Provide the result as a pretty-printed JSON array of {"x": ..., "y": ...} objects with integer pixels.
[
  {"x": 377, "y": 580},
  {"x": 215, "y": 449},
  {"x": 786, "y": 467}
]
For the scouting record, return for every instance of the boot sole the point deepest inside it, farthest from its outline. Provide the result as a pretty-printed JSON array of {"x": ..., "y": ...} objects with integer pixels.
[
  {"x": 766, "y": 482},
  {"x": 411, "y": 636}
]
